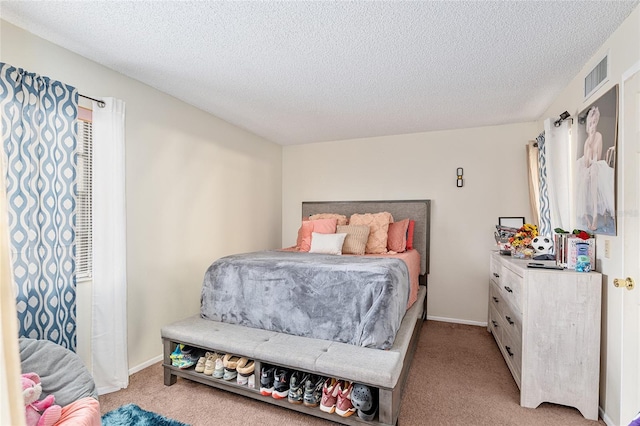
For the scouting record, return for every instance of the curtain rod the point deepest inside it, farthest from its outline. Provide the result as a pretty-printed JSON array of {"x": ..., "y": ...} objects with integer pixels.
[{"x": 101, "y": 104}]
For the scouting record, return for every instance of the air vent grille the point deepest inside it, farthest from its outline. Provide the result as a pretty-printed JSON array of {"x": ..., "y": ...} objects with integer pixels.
[{"x": 596, "y": 77}]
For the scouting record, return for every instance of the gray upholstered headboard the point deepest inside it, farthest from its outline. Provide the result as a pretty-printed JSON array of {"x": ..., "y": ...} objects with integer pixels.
[{"x": 418, "y": 210}]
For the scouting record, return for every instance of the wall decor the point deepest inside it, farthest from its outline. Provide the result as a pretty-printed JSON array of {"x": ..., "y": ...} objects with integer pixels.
[{"x": 595, "y": 169}]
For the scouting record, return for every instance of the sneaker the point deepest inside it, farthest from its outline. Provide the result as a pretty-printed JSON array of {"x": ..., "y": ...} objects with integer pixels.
[
  {"x": 200, "y": 364},
  {"x": 365, "y": 401},
  {"x": 230, "y": 363},
  {"x": 281, "y": 383},
  {"x": 186, "y": 361},
  {"x": 210, "y": 363},
  {"x": 218, "y": 368},
  {"x": 177, "y": 352},
  {"x": 313, "y": 391},
  {"x": 329, "y": 395},
  {"x": 296, "y": 387},
  {"x": 244, "y": 372},
  {"x": 266, "y": 380},
  {"x": 344, "y": 407},
  {"x": 251, "y": 383},
  {"x": 229, "y": 374}
]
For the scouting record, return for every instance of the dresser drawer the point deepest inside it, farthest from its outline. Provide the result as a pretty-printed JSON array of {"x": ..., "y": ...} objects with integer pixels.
[
  {"x": 495, "y": 324},
  {"x": 511, "y": 288},
  {"x": 495, "y": 270},
  {"x": 512, "y": 350},
  {"x": 512, "y": 320},
  {"x": 496, "y": 299}
]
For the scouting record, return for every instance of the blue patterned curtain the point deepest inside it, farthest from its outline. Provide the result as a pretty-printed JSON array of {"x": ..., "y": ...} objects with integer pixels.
[
  {"x": 39, "y": 150},
  {"x": 545, "y": 213}
]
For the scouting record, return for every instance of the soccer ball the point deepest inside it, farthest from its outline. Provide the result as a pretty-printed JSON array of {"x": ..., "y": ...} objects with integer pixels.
[{"x": 542, "y": 244}]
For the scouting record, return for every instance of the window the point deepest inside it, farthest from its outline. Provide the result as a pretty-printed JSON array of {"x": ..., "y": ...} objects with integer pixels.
[{"x": 84, "y": 222}]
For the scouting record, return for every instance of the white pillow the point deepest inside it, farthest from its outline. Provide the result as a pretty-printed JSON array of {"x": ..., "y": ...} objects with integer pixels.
[{"x": 327, "y": 243}]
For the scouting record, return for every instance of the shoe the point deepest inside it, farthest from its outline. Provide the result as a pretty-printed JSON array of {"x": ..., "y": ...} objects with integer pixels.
[
  {"x": 296, "y": 387},
  {"x": 313, "y": 391},
  {"x": 266, "y": 380},
  {"x": 230, "y": 363},
  {"x": 229, "y": 374},
  {"x": 200, "y": 364},
  {"x": 244, "y": 369},
  {"x": 344, "y": 407},
  {"x": 251, "y": 383},
  {"x": 186, "y": 361},
  {"x": 365, "y": 401},
  {"x": 177, "y": 352},
  {"x": 218, "y": 368},
  {"x": 281, "y": 383},
  {"x": 210, "y": 362},
  {"x": 329, "y": 395}
]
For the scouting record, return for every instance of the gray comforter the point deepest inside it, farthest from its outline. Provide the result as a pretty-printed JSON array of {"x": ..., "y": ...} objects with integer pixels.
[{"x": 356, "y": 300}]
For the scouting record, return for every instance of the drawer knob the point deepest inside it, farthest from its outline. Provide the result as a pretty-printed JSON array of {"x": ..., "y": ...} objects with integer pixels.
[
  {"x": 508, "y": 289},
  {"x": 495, "y": 324},
  {"x": 496, "y": 275},
  {"x": 495, "y": 299},
  {"x": 509, "y": 319},
  {"x": 509, "y": 350}
]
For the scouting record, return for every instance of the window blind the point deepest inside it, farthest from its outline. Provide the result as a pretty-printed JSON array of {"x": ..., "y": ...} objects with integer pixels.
[{"x": 84, "y": 223}]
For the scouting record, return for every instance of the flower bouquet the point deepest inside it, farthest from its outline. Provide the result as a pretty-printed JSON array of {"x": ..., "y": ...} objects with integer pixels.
[{"x": 521, "y": 241}]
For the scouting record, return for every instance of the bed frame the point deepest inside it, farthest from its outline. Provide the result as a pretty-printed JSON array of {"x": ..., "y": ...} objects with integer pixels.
[{"x": 384, "y": 371}]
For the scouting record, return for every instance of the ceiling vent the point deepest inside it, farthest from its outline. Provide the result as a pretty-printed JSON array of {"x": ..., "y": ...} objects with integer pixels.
[{"x": 597, "y": 77}]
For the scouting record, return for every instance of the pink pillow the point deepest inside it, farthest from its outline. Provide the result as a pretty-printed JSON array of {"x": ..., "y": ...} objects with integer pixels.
[
  {"x": 379, "y": 227},
  {"x": 324, "y": 226},
  {"x": 412, "y": 225},
  {"x": 397, "y": 236},
  {"x": 304, "y": 236},
  {"x": 342, "y": 219},
  {"x": 321, "y": 226}
]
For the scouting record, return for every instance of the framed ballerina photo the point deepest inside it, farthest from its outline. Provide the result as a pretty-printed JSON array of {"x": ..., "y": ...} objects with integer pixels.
[{"x": 595, "y": 168}]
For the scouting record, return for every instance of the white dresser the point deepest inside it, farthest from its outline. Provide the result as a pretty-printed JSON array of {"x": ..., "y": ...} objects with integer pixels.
[{"x": 547, "y": 325}]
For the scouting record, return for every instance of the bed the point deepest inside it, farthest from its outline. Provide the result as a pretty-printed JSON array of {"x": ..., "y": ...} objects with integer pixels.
[{"x": 379, "y": 359}]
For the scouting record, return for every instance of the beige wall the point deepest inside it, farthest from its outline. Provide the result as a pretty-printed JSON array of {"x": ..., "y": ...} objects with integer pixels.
[
  {"x": 423, "y": 166},
  {"x": 197, "y": 188},
  {"x": 623, "y": 48}
]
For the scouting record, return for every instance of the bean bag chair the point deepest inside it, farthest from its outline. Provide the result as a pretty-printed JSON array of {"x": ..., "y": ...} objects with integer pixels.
[{"x": 63, "y": 375}]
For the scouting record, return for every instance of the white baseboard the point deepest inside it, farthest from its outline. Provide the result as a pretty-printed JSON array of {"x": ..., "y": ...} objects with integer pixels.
[
  {"x": 457, "y": 321},
  {"x": 606, "y": 419},
  {"x": 145, "y": 364}
]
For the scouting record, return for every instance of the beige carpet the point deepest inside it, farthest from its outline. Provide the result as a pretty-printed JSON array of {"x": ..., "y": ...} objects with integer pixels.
[{"x": 457, "y": 377}]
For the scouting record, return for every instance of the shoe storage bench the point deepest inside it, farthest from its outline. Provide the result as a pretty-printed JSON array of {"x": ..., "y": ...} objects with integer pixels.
[{"x": 384, "y": 371}]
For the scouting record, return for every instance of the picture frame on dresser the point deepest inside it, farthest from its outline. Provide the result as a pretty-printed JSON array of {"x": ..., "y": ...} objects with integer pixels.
[{"x": 511, "y": 222}]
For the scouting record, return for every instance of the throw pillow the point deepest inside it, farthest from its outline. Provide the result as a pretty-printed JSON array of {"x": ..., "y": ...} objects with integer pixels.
[
  {"x": 327, "y": 243},
  {"x": 356, "y": 240},
  {"x": 378, "y": 229},
  {"x": 340, "y": 218},
  {"x": 397, "y": 236}
]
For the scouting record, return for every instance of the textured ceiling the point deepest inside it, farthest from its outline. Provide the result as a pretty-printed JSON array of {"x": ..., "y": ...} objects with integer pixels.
[{"x": 302, "y": 72}]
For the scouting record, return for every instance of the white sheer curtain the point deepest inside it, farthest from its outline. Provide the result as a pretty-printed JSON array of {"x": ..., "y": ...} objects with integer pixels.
[
  {"x": 109, "y": 318},
  {"x": 558, "y": 161},
  {"x": 11, "y": 402}
]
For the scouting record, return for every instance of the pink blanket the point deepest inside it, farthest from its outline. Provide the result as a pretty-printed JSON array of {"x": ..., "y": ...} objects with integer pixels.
[{"x": 83, "y": 412}]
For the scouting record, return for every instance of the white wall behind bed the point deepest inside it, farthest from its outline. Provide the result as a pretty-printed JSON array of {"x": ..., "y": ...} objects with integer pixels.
[
  {"x": 197, "y": 188},
  {"x": 423, "y": 166}
]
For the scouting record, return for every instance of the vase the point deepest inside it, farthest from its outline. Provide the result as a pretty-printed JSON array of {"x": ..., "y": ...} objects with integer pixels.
[{"x": 520, "y": 252}]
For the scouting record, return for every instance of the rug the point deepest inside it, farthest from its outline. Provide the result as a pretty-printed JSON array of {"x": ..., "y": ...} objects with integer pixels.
[{"x": 131, "y": 414}]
